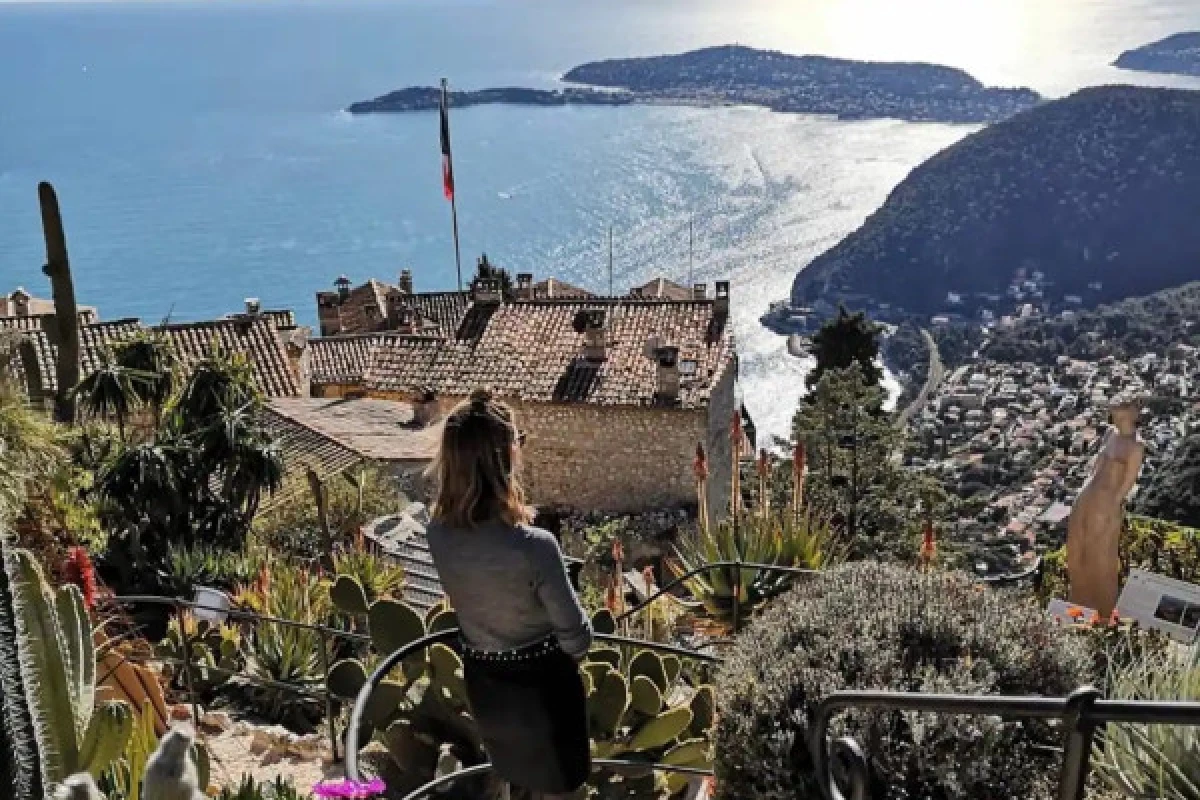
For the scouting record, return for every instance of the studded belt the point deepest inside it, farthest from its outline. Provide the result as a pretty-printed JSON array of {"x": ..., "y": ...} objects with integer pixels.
[{"x": 538, "y": 649}]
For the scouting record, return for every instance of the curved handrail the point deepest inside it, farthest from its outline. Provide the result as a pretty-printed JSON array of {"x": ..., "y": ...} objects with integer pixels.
[
  {"x": 612, "y": 763},
  {"x": 392, "y": 661},
  {"x": 1082, "y": 710}
]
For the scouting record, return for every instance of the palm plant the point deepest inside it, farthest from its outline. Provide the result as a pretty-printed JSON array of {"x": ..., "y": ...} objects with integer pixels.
[
  {"x": 154, "y": 366},
  {"x": 1161, "y": 761}
]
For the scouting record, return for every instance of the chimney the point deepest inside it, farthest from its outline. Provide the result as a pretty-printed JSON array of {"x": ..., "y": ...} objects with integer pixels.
[
  {"x": 524, "y": 285},
  {"x": 721, "y": 300},
  {"x": 486, "y": 292},
  {"x": 425, "y": 410},
  {"x": 668, "y": 373},
  {"x": 342, "y": 284},
  {"x": 253, "y": 307},
  {"x": 594, "y": 335},
  {"x": 700, "y": 291},
  {"x": 20, "y": 303},
  {"x": 405, "y": 283}
]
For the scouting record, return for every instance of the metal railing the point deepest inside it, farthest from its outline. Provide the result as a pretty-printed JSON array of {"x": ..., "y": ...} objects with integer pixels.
[
  {"x": 392, "y": 661},
  {"x": 326, "y": 634},
  {"x": 1083, "y": 712}
]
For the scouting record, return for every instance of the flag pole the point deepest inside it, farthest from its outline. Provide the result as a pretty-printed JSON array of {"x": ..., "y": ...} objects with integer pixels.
[
  {"x": 610, "y": 262},
  {"x": 448, "y": 179},
  {"x": 691, "y": 222}
]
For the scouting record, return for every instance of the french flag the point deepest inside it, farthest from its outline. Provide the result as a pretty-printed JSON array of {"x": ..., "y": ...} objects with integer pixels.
[{"x": 447, "y": 162}]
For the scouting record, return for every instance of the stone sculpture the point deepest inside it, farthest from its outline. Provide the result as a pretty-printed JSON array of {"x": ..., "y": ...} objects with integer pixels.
[{"x": 1094, "y": 528}]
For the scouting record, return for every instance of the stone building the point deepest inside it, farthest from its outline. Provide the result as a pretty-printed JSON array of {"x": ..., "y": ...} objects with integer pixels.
[{"x": 614, "y": 394}]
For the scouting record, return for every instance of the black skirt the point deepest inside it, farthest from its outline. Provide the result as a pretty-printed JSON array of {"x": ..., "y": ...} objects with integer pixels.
[{"x": 531, "y": 711}]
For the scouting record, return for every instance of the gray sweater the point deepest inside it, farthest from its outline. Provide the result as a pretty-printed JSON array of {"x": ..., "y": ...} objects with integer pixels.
[{"x": 509, "y": 587}]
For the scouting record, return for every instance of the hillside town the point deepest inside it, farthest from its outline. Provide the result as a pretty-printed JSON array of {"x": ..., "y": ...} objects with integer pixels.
[{"x": 1020, "y": 438}]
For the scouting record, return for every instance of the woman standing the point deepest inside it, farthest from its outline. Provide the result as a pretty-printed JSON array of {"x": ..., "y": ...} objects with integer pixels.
[{"x": 523, "y": 628}]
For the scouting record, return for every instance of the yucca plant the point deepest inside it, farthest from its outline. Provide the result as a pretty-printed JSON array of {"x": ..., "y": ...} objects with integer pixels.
[{"x": 1161, "y": 761}]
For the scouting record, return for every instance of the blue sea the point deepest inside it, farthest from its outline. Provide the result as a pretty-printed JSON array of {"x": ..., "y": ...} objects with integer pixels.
[{"x": 201, "y": 156}]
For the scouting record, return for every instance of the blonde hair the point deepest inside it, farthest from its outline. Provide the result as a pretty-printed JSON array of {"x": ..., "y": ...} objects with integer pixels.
[{"x": 476, "y": 466}]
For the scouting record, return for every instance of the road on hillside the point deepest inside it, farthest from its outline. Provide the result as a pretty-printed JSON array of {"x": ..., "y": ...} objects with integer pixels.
[{"x": 933, "y": 380}]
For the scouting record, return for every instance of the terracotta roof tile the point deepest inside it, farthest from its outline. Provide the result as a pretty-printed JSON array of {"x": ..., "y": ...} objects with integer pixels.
[
  {"x": 554, "y": 289},
  {"x": 379, "y": 430},
  {"x": 303, "y": 449},
  {"x": 661, "y": 289},
  {"x": 256, "y": 338},
  {"x": 93, "y": 339},
  {"x": 341, "y": 359},
  {"x": 533, "y": 351},
  {"x": 365, "y": 308}
]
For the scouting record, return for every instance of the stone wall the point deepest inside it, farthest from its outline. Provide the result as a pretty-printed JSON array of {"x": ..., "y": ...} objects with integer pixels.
[
  {"x": 722, "y": 405},
  {"x": 610, "y": 459},
  {"x": 627, "y": 460}
]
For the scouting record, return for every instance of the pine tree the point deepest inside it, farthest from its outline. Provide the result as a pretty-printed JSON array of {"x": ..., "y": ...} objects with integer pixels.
[{"x": 843, "y": 341}]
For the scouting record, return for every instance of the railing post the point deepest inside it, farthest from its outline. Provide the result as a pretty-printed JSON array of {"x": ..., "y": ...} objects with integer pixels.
[
  {"x": 737, "y": 593},
  {"x": 187, "y": 662},
  {"x": 330, "y": 712},
  {"x": 1081, "y": 731}
]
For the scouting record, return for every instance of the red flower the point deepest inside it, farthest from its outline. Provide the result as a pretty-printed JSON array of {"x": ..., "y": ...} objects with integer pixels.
[
  {"x": 700, "y": 465},
  {"x": 648, "y": 577},
  {"x": 79, "y": 571},
  {"x": 618, "y": 551},
  {"x": 764, "y": 463},
  {"x": 798, "y": 460}
]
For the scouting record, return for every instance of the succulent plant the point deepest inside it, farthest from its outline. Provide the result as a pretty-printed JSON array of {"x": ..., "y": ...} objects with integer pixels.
[
  {"x": 215, "y": 653},
  {"x": 58, "y": 664}
]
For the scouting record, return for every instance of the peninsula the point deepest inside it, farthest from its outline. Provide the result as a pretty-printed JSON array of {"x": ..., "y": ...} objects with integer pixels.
[
  {"x": 735, "y": 75},
  {"x": 1174, "y": 55}
]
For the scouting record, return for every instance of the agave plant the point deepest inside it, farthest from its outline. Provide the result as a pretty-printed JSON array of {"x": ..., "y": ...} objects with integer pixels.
[
  {"x": 284, "y": 654},
  {"x": 780, "y": 539},
  {"x": 1161, "y": 761},
  {"x": 378, "y": 577}
]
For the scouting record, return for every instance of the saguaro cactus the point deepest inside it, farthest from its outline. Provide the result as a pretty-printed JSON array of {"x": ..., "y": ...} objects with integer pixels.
[
  {"x": 20, "y": 760},
  {"x": 66, "y": 310}
]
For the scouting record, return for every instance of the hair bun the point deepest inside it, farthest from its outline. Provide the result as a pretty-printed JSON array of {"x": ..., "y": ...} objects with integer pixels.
[{"x": 481, "y": 396}]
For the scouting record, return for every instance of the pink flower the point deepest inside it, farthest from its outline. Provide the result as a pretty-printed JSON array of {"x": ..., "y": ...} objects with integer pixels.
[{"x": 347, "y": 788}]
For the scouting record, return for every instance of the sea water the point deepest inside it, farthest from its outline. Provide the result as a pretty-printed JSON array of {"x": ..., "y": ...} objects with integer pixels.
[{"x": 201, "y": 156}]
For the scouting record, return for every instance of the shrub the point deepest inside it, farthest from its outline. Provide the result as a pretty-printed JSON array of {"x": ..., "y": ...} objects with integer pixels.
[{"x": 873, "y": 626}]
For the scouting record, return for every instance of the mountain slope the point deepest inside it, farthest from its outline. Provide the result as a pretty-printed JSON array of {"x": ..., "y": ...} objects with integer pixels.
[
  {"x": 1102, "y": 186},
  {"x": 1177, "y": 55}
]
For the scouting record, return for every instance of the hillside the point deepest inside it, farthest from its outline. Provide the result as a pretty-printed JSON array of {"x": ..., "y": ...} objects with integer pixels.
[
  {"x": 1125, "y": 330},
  {"x": 1173, "y": 491},
  {"x": 1176, "y": 55},
  {"x": 1102, "y": 186}
]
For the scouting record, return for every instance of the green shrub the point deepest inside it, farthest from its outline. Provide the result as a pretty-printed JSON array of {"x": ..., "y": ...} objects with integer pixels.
[
  {"x": 874, "y": 626},
  {"x": 1161, "y": 761},
  {"x": 379, "y": 576}
]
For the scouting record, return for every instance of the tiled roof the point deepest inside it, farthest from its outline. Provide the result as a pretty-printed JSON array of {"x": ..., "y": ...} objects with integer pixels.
[
  {"x": 403, "y": 538},
  {"x": 93, "y": 339},
  {"x": 256, "y": 338},
  {"x": 554, "y": 289},
  {"x": 365, "y": 309},
  {"x": 40, "y": 322},
  {"x": 661, "y": 289},
  {"x": 533, "y": 351},
  {"x": 445, "y": 309},
  {"x": 379, "y": 430},
  {"x": 341, "y": 359},
  {"x": 303, "y": 449}
]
